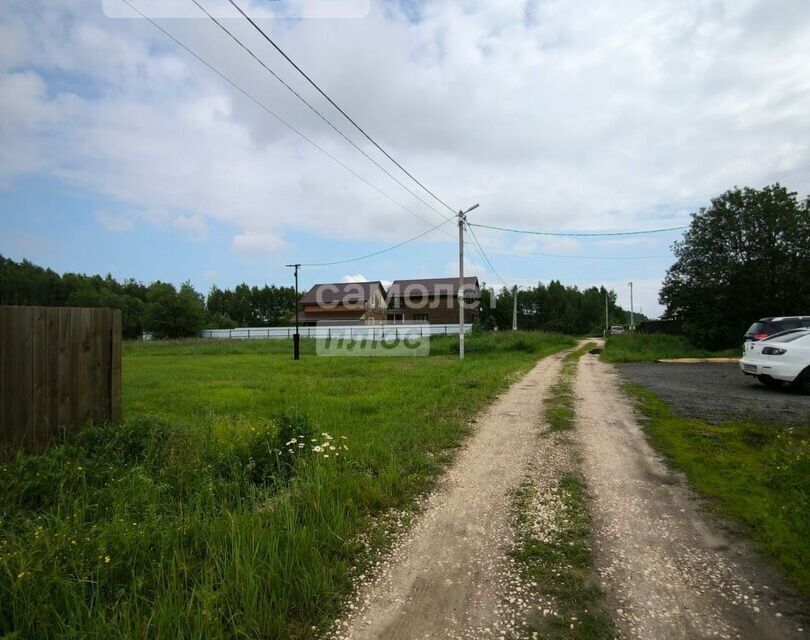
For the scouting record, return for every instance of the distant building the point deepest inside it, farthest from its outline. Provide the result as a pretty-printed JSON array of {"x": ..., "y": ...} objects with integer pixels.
[
  {"x": 432, "y": 301},
  {"x": 343, "y": 303}
]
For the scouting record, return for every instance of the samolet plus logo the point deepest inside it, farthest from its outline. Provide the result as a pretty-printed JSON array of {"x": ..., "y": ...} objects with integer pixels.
[
  {"x": 389, "y": 341},
  {"x": 266, "y": 10}
]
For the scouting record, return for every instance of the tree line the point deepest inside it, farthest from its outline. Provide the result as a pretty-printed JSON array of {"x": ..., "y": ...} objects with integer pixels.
[
  {"x": 160, "y": 308},
  {"x": 554, "y": 307}
]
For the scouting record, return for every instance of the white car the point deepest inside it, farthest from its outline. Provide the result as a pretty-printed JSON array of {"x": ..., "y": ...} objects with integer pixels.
[
  {"x": 780, "y": 359},
  {"x": 617, "y": 330}
]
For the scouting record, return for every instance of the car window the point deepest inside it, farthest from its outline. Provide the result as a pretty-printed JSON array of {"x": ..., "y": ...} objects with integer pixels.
[
  {"x": 790, "y": 337},
  {"x": 790, "y": 324},
  {"x": 757, "y": 327}
]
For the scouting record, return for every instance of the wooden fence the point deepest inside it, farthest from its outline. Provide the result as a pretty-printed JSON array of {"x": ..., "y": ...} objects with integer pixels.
[{"x": 60, "y": 368}]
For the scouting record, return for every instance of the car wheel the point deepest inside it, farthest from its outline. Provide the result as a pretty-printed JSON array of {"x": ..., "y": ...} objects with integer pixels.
[
  {"x": 770, "y": 382},
  {"x": 803, "y": 381}
]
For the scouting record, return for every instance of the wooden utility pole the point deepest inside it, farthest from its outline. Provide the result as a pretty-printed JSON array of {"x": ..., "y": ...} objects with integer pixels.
[{"x": 461, "y": 222}]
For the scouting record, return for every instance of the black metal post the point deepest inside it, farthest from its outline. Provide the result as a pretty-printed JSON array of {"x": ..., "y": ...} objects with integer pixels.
[{"x": 297, "y": 336}]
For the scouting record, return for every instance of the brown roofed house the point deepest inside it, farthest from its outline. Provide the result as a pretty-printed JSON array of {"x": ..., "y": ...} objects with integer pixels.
[
  {"x": 343, "y": 303},
  {"x": 432, "y": 301}
]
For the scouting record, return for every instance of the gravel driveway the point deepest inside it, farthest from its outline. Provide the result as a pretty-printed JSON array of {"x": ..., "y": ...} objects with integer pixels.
[{"x": 717, "y": 392}]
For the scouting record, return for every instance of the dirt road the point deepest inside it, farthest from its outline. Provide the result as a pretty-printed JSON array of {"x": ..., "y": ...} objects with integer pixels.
[
  {"x": 448, "y": 578},
  {"x": 669, "y": 569}
]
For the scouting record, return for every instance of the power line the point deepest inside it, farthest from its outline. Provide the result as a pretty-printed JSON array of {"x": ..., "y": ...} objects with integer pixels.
[
  {"x": 264, "y": 107},
  {"x": 572, "y": 257},
  {"x": 382, "y": 251},
  {"x": 484, "y": 255},
  {"x": 336, "y": 106},
  {"x": 314, "y": 110},
  {"x": 582, "y": 234}
]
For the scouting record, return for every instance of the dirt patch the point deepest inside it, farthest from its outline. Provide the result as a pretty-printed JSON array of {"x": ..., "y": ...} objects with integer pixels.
[
  {"x": 716, "y": 392},
  {"x": 669, "y": 569}
]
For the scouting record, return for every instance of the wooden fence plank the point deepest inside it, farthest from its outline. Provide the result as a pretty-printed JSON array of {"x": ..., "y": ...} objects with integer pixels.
[
  {"x": 98, "y": 364},
  {"x": 86, "y": 376},
  {"x": 8, "y": 338},
  {"x": 23, "y": 407},
  {"x": 65, "y": 333},
  {"x": 39, "y": 435},
  {"x": 115, "y": 367},
  {"x": 52, "y": 368}
]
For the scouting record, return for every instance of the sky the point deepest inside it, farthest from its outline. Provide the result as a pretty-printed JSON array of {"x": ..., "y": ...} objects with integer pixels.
[{"x": 121, "y": 153}]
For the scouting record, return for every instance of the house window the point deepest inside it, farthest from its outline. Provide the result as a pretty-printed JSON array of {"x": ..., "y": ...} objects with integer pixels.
[
  {"x": 396, "y": 318},
  {"x": 420, "y": 317}
]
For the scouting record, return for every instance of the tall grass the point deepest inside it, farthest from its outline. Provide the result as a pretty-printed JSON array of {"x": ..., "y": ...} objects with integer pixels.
[
  {"x": 199, "y": 517},
  {"x": 642, "y": 347}
]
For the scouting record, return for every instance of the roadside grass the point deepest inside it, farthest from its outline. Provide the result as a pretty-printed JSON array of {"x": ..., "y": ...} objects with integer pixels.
[
  {"x": 560, "y": 403},
  {"x": 199, "y": 517},
  {"x": 641, "y": 347},
  {"x": 553, "y": 551},
  {"x": 758, "y": 474}
]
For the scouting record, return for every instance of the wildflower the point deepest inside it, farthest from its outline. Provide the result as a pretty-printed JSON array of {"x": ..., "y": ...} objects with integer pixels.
[
  {"x": 293, "y": 441},
  {"x": 107, "y": 559},
  {"x": 317, "y": 448},
  {"x": 21, "y": 575}
]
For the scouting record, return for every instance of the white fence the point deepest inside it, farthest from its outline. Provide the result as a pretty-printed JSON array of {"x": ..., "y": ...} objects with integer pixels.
[{"x": 360, "y": 332}]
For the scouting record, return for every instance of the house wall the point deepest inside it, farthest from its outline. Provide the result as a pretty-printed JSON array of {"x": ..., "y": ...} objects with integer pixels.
[{"x": 441, "y": 311}]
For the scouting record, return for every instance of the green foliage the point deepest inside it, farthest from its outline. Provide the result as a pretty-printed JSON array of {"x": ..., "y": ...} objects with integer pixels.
[
  {"x": 745, "y": 257},
  {"x": 171, "y": 313},
  {"x": 199, "y": 517},
  {"x": 158, "y": 308},
  {"x": 641, "y": 347},
  {"x": 757, "y": 473},
  {"x": 553, "y": 308}
]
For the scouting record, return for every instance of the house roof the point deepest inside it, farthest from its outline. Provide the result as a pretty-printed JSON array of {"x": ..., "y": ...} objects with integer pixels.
[
  {"x": 434, "y": 287},
  {"x": 342, "y": 292}
]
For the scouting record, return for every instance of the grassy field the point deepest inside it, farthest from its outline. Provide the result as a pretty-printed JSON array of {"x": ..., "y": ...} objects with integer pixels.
[
  {"x": 640, "y": 347},
  {"x": 758, "y": 474},
  {"x": 242, "y": 491}
]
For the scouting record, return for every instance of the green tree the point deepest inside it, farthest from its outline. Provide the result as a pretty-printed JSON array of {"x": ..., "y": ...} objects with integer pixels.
[
  {"x": 171, "y": 313},
  {"x": 744, "y": 257}
]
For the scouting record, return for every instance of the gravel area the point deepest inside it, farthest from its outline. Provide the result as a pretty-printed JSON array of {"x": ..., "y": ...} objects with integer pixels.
[
  {"x": 669, "y": 569},
  {"x": 450, "y": 575},
  {"x": 716, "y": 392}
]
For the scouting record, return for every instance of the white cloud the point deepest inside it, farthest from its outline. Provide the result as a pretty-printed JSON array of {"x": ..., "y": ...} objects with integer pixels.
[
  {"x": 602, "y": 114},
  {"x": 355, "y": 278},
  {"x": 257, "y": 243}
]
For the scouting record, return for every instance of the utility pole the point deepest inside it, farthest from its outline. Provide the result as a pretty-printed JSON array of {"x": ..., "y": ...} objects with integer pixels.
[
  {"x": 514, "y": 309},
  {"x": 607, "y": 317},
  {"x": 297, "y": 336},
  {"x": 632, "y": 316},
  {"x": 461, "y": 221}
]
